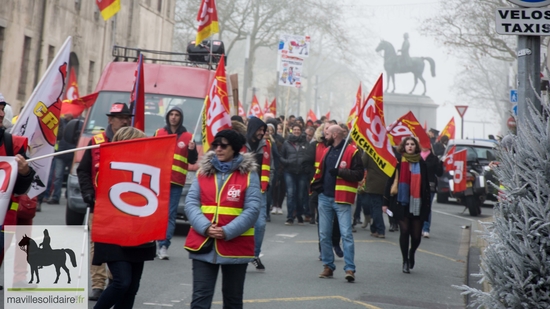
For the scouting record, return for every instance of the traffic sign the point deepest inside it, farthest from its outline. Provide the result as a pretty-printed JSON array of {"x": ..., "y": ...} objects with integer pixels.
[
  {"x": 513, "y": 96},
  {"x": 531, "y": 3},
  {"x": 515, "y": 110},
  {"x": 461, "y": 109},
  {"x": 522, "y": 21}
]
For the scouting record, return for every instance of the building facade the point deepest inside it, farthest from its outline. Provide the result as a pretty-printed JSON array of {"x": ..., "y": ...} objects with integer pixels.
[{"x": 32, "y": 31}]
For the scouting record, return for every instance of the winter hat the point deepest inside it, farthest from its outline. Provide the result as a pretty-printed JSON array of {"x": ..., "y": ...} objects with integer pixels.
[
  {"x": 2, "y": 100},
  {"x": 235, "y": 139}
]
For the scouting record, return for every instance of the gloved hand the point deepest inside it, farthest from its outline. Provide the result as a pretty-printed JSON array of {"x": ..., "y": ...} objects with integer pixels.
[
  {"x": 333, "y": 172},
  {"x": 89, "y": 199}
]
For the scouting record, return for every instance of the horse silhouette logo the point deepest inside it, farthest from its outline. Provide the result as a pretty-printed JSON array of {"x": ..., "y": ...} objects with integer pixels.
[{"x": 42, "y": 255}]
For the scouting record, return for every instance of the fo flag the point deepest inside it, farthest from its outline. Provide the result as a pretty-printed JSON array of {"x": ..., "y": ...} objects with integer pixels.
[
  {"x": 40, "y": 119},
  {"x": 215, "y": 115},
  {"x": 369, "y": 131},
  {"x": 457, "y": 164},
  {"x": 133, "y": 191},
  {"x": 448, "y": 161},
  {"x": 8, "y": 175},
  {"x": 449, "y": 130},
  {"x": 407, "y": 125},
  {"x": 208, "y": 21}
]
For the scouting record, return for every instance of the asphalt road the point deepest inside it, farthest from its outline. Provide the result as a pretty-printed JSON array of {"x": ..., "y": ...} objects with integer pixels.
[{"x": 290, "y": 255}]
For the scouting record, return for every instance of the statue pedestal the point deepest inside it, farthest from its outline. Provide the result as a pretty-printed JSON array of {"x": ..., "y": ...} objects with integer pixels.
[{"x": 423, "y": 108}]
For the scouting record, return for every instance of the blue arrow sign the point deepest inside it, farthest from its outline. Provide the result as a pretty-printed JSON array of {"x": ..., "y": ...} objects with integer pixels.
[
  {"x": 513, "y": 96},
  {"x": 515, "y": 110}
]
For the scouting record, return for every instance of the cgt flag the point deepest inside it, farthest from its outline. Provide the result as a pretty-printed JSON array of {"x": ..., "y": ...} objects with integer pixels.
[
  {"x": 108, "y": 8},
  {"x": 355, "y": 108},
  {"x": 208, "y": 21},
  {"x": 273, "y": 107},
  {"x": 39, "y": 120},
  {"x": 137, "y": 97},
  {"x": 449, "y": 130},
  {"x": 133, "y": 191},
  {"x": 72, "y": 88},
  {"x": 215, "y": 115},
  {"x": 241, "y": 110},
  {"x": 8, "y": 176},
  {"x": 369, "y": 131},
  {"x": 255, "y": 108},
  {"x": 311, "y": 116},
  {"x": 408, "y": 125},
  {"x": 78, "y": 105}
]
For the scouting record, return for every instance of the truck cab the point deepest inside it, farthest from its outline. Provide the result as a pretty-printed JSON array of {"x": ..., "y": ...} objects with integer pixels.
[{"x": 167, "y": 83}]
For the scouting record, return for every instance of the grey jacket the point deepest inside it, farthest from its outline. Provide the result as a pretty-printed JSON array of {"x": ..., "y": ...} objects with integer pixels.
[{"x": 244, "y": 163}]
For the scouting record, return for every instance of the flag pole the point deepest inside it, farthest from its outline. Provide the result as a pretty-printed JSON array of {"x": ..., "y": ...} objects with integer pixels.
[
  {"x": 199, "y": 120},
  {"x": 53, "y": 154},
  {"x": 345, "y": 144},
  {"x": 286, "y": 112}
]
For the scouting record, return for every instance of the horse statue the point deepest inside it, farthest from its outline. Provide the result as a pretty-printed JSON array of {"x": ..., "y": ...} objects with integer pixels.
[
  {"x": 37, "y": 258},
  {"x": 393, "y": 65}
]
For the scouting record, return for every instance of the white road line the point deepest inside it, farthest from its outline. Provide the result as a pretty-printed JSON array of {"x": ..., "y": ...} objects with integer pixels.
[
  {"x": 155, "y": 304},
  {"x": 448, "y": 214},
  {"x": 287, "y": 235}
]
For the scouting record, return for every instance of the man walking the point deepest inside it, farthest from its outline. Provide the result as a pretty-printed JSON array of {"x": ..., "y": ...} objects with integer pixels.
[
  {"x": 185, "y": 153},
  {"x": 255, "y": 143},
  {"x": 375, "y": 184},
  {"x": 337, "y": 187}
]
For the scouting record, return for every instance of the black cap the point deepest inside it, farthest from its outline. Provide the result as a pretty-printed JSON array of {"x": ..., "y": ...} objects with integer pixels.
[{"x": 119, "y": 109}]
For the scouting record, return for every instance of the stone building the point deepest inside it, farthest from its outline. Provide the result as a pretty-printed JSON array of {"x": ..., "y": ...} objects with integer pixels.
[{"x": 32, "y": 31}]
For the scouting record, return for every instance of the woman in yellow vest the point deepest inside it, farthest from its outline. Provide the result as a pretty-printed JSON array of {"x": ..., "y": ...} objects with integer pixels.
[{"x": 222, "y": 205}]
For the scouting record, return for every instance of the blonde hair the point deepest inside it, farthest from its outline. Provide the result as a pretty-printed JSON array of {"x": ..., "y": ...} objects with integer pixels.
[{"x": 126, "y": 133}]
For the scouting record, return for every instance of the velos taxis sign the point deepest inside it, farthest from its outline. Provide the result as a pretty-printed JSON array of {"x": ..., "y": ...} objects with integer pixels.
[{"x": 523, "y": 21}]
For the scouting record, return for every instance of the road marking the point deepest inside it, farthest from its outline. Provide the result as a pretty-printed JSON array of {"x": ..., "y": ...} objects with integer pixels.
[
  {"x": 155, "y": 304},
  {"x": 287, "y": 235},
  {"x": 448, "y": 214},
  {"x": 311, "y": 298}
]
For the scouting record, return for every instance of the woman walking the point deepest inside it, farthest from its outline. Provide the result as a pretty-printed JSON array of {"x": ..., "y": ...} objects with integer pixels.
[
  {"x": 413, "y": 199},
  {"x": 222, "y": 205}
]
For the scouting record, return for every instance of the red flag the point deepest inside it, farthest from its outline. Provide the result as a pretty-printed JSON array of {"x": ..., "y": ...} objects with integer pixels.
[
  {"x": 255, "y": 108},
  {"x": 108, "y": 8},
  {"x": 133, "y": 191},
  {"x": 425, "y": 127},
  {"x": 449, "y": 130},
  {"x": 72, "y": 87},
  {"x": 273, "y": 107},
  {"x": 407, "y": 125},
  {"x": 311, "y": 116},
  {"x": 457, "y": 162},
  {"x": 137, "y": 97},
  {"x": 266, "y": 106},
  {"x": 328, "y": 115},
  {"x": 241, "y": 110},
  {"x": 449, "y": 158},
  {"x": 355, "y": 108},
  {"x": 78, "y": 105},
  {"x": 215, "y": 116},
  {"x": 208, "y": 21},
  {"x": 369, "y": 131}
]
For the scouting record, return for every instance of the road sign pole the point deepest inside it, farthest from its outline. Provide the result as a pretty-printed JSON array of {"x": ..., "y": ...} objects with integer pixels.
[
  {"x": 528, "y": 76},
  {"x": 461, "y": 127}
]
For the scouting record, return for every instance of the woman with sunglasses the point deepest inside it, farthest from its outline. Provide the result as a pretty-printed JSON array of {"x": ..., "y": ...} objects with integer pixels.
[{"x": 222, "y": 206}]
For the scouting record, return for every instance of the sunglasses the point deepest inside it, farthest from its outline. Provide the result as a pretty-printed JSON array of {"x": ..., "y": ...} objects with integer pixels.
[{"x": 215, "y": 145}]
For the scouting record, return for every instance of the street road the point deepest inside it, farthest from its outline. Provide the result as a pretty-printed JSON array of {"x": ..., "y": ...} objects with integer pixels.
[{"x": 290, "y": 255}]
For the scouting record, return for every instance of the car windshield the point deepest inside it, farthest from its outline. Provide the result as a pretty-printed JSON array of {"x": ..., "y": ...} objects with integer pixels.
[
  {"x": 155, "y": 111},
  {"x": 477, "y": 153}
]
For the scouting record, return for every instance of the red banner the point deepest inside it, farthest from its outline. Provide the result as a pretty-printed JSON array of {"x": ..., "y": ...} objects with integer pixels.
[
  {"x": 241, "y": 110},
  {"x": 458, "y": 163},
  {"x": 449, "y": 130},
  {"x": 356, "y": 108},
  {"x": 216, "y": 115},
  {"x": 328, "y": 115},
  {"x": 449, "y": 158},
  {"x": 255, "y": 108},
  {"x": 77, "y": 106},
  {"x": 408, "y": 125},
  {"x": 208, "y": 21},
  {"x": 133, "y": 191},
  {"x": 72, "y": 87},
  {"x": 369, "y": 131},
  {"x": 137, "y": 97},
  {"x": 311, "y": 116},
  {"x": 273, "y": 107}
]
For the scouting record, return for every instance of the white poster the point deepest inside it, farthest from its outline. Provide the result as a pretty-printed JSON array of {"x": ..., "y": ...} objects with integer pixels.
[
  {"x": 294, "y": 45},
  {"x": 291, "y": 71},
  {"x": 8, "y": 176},
  {"x": 45, "y": 266}
]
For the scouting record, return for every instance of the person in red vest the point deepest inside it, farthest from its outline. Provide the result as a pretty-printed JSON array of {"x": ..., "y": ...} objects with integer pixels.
[
  {"x": 223, "y": 205},
  {"x": 336, "y": 181},
  {"x": 25, "y": 175},
  {"x": 185, "y": 153},
  {"x": 119, "y": 116}
]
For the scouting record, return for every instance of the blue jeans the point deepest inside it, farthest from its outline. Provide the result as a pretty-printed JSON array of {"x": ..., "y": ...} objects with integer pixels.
[
  {"x": 361, "y": 204},
  {"x": 426, "y": 227},
  {"x": 296, "y": 194},
  {"x": 122, "y": 292},
  {"x": 259, "y": 227},
  {"x": 374, "y": 202},
  {"x": 327, "y": 209},
  {"x": 175, "y": 195},
  {"x": 205, "y": 276},
  {"x": 55, "y": 178}
]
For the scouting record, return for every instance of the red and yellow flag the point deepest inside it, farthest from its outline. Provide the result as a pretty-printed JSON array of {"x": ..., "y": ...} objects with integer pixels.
[
  {"x": 108, "y": 8},
  {"x": 369, "y": 131},
  {"x": 449, "y": 130},
  {"x": 72, "y": 88},
  {"x": 311, "y": 116},
  {"x": 408, "y": 125},
  {"x": 273, "y": 107},
  {"x": 208, "y": 21},
  {"x": 356, "y": 107},
  {"x": 255, "y": 108},
  {"x": 328, "y": 115},
  {"x": 241, "y": 110},
  {"x": 78, "y": 105},
  {"x": 137, "y": 97},
  {"x": 216, "y": 116}
]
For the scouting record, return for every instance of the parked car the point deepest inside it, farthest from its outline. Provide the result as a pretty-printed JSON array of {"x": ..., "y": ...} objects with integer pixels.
[{"x": 479, "y": 153}]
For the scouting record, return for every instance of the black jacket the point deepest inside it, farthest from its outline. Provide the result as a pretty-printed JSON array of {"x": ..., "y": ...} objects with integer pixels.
[
  {"x": 294, "y": 155},
  {"x": 435, "y": 169}
]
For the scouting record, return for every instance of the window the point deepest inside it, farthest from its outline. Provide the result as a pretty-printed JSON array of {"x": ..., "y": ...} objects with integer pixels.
[
  {"x": 21, "y": 90},
  {"x": 1, "y": 45},
  {"x": 159, "y": 5},
  {"x": 91, "y": 72},
  {"x": 51, "y": 54}
]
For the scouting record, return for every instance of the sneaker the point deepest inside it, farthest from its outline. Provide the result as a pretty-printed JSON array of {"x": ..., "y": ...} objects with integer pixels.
[
  {"x": 327, "y": 273},
  {"x": 258, "y": 264},
  {"x": 338, "y": 251},
  {"x": 279, "y": 211},
  {"x": 163, "y": 253},
  {"x": 374, "y": 234},
  {"x": 289, "y": 222},
  {"x": 350, "y": 276},
  {"x": 274, "y": 210},
  {"x": 425, "y": 234},
  {"x": 381, "y": 236}
]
